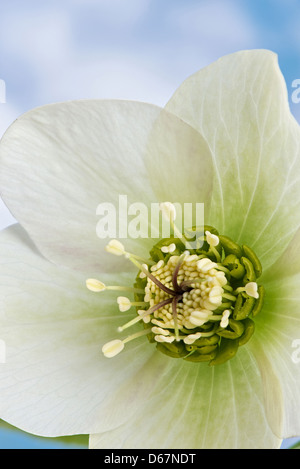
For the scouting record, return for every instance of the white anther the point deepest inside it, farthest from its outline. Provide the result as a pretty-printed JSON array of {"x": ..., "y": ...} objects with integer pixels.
[
  {"x": 95, "y": 285},
  {"x": 190, "y": 339},
  {"x": 225, "y": 318},
  {"x": 142, "y": 275},
  {"x": 213, "y": 240},
  {"x": 124, "y": 303},
  {"x": 167, "y": 249},
  {"x": 163, "y": 338},
  {"x": 146, "y": 318},
  {"x": 111, "y": 349},
  {"x": 210, "y": 306},
  {"x": 157, "y": 266},
  {"x": 191, "y": 258},
  {"x": 168, "y": 210},
  {"x": 220, "y": 277},
  {"x": 205, "y": 264},
  {"x": 115, "y": 247},
  {"x": 159, "y": 331},
  {"x": 215, "y": 295},
  {"x": 198, "y": 318},
  {"x": 251, "y": 289}
]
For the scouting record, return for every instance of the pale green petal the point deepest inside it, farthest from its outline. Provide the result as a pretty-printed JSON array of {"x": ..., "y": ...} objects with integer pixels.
[
  {"x": 59, "y": 162},
  {"x": 278, "y": 331},
  {"x": 240, "y": 105},
  {"x": 55, "y": 379},
  {"x": 198, "y": 407}
]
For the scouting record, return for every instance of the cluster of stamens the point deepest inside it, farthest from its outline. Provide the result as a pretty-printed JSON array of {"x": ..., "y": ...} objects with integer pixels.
[{"x": 195, "y": 304}]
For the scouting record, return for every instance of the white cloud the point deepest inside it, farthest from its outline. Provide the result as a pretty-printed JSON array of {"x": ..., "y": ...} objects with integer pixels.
[
  {"x": 39, "y": 38},
  {"x": 215, "y": 26},
  {"x": 116, "y": 11}
]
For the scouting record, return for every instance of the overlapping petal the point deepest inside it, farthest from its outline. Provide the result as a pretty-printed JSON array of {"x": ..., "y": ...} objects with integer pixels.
[
  {"x": 199, "y": 407},
  {"x": 55, "y": 380},
  {"x": 59, "y": 162},
  {"x": 240, "y": 105},
  {"x": 278, "y": 332}
]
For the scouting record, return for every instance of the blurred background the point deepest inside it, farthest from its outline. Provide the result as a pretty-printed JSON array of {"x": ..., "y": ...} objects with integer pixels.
[{"x": 142, "y": 50}]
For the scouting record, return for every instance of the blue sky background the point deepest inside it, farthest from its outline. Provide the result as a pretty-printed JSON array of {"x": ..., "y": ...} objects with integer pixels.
[{"x": 131, "y": 49}]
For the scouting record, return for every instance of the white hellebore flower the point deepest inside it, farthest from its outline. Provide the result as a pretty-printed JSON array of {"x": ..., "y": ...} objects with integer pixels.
[{"x": 200, "y": 367}]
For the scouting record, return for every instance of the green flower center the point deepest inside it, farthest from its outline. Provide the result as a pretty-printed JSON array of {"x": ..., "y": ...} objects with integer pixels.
[
  {"x": 200, "y": 303},
  {"x": 196, "y": 303}
]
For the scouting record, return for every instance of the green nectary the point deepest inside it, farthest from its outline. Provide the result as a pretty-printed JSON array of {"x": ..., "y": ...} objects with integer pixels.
[{"x": 216, "y": 344}]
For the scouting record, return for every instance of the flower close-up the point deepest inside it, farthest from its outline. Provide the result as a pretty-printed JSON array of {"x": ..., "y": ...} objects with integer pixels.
[{"x": 118, "y": 323}]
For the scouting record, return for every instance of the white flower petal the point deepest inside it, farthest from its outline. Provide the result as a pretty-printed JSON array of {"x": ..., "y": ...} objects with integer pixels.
[
  {"x": 240, "y": 105},
  {"x": 60, "y": 162},
  {"x": 55, "y": 380},
  {"x": 278, "y": 330},
  {"x": 198, "y": 407}
]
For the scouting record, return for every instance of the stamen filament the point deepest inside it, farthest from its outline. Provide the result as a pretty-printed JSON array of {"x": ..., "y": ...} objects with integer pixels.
[
  {"x": 147, "y": 313},
  {"x": 139, "y": 258},
  {"x": 125, "y": 304},
  {"x": 175, "y": 273},
  {"x": 174, "y": 312},
  {"x": 136, "y": 335},
  {"x": 229, "y": 297},
  {"x": 169, "y": 212},
  {"x": 216, "y": 253},
  {"x": 223, "y": 269},
  {"x": 98, "y": 286},
  {"x": 188, "y": 283},
  {"x": 151, "y": 277},
  {"x": 129, "y": 289},
  {"x": 114, "y": 347},
  {"x": 250, "y": 288}
]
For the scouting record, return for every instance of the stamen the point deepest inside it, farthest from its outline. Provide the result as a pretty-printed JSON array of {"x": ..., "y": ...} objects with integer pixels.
[
  {"x": 113, "y": 247},
  {"x": 205, "y": 264},
  {"x": 190, "y": 339},
  {"x": 176, "y": 270},
  {"x": 174, "y": 311},
  {"x": 198, "y": 318},
  {"x": 225, "y": 318},
  {"x": 146, "y": 313},
  {"x": 125, "y": 304},
  {"x": 163, "y": 338},
  {"x": 112, "y": 348},
  {"x": 190, "y": 296},
  {"x": 142, "y": 275},
  {"x": 229, "y": 297},
  {"x": 97, "y": 286},
  {"x": 160, "y": 331},
  {"x": 169, "y": 212},
  {"x": 188, "y": 283},
  {"x": 250, "y": 288},
  {"x": 223, "y": 269},
  {"x": 213, "y": 240},
  {"x": 168, "y": 249},
  {"x": 151, "y": 277},
  {"x": 117, "y": 248},
  {"x": 215, "y": 295}
]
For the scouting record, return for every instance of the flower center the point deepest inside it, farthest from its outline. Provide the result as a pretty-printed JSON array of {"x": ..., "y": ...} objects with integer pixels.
[{"x": 194, "y": 304}]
